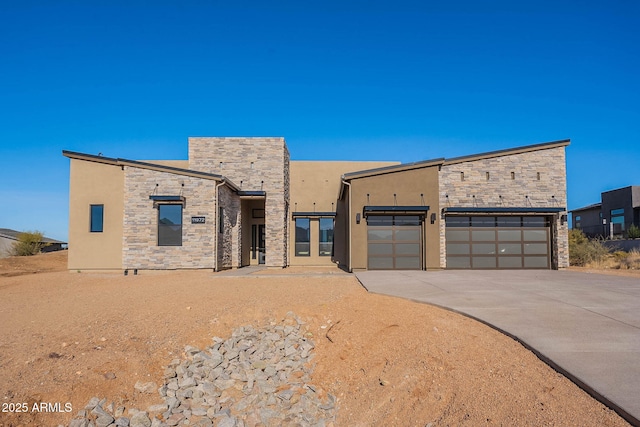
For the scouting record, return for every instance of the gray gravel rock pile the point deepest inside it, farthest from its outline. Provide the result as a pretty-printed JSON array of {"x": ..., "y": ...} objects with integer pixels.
[{"x": 257, "y": 377}]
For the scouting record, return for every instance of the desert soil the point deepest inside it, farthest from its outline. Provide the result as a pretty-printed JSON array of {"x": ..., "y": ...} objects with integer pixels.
[{"x": 67, "y": 336}]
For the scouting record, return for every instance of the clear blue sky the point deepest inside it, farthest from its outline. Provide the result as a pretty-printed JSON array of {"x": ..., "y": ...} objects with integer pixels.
[{"x": 360, "y": 80}]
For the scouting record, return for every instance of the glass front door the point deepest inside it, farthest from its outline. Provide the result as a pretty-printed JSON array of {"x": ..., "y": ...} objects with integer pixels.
[{"x": 258, "y": 242}]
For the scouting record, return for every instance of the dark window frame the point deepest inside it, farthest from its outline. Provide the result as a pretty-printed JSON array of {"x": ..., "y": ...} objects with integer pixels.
[
  {"x": 162, "y": 241},
  {"x": 98, "y": 227},
  {"x": 328, "y": 235},
  {"x": 300, "y": 239}
]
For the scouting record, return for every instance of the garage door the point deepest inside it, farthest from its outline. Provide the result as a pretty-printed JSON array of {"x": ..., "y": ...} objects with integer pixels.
[
  {"x": 490, "y": 242},
  {"x": 394, "y": 242}
]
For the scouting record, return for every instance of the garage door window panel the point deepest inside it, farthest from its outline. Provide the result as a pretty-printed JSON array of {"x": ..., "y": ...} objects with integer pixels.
[
  {"x": 534, "y": 235},
  {"x": 510, "y": 248},
  {"x": 483, "y": 249},
  {"x": 483, "y": 262},
  {"x": 483, "y": 235},
  {"x": 458, "y": 221},
  {"x": 509, "y": 235},
  {"x": 536, "y": 262},
  {"x": 408, "y": 263},
  {"x": 509, "y": 262},
  {"x": 380, "y": 234},
  {"x": 408, "y": 234},
  {"x": 535, "y": 249},
  {"x": 459, "y": 262},
  {"x": 458, "y": 249},
  {"x": 457, "y": 235},
  {"x": 509, "y": 221},
  {"x": 483, "y": 221}
]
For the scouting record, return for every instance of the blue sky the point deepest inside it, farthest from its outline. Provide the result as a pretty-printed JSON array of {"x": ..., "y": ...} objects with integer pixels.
[{"x": 354, "y": 80}]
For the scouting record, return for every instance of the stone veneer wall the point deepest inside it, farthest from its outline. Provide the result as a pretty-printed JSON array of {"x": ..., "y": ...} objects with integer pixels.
[
  {"x": 549, "y": 191},
  {"x": 252, "y": 164},
  {"x": 140, "y": 236},
  {"x": 230, "y": 240}
]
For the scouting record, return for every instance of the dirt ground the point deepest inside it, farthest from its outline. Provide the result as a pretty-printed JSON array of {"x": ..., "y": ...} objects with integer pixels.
[{"x": 68, "y": 336}]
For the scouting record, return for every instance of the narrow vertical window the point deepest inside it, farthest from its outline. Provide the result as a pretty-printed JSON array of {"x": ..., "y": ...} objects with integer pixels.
[
  {"x": 461, "y": 176},
  {"x": 326, "y": 237},
  {"x": 487, "y": 176},
  {"x": 303, "y": 237},
  {"x": 169, "y": 225},
  {"x": 513, "y": 175},
  {"x": 96, "y": 218},
  {"x": 538, "y": 175},
  {"x": 221, "y": 220}
]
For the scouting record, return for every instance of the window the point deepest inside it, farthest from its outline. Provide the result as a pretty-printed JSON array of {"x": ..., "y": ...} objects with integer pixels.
[
  {"x": 326, "y": 237},
  {"x": 617, "y": 219},
  {"x": 461, "y": 176},
  {"x": 487, "y": 175},
  {"x": 96, "y": 218},
  {"x": 169, "y": 225},
  {"x": 221, "y": 220},
  {"x": 303, "y": 237},
  {"x": 513, "y": 175}
]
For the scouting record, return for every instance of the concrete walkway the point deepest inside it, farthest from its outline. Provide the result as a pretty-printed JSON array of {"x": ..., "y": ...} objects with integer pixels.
[{"x": 586, "y": 326}]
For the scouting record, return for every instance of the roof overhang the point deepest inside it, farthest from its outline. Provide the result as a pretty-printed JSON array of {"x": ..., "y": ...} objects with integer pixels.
[
  {"x": 503, "y": 210},
  {"x": 252, "y": 195},
  {"x": 149, "y": 166},
  {"x": 313, "y": 214},
  {"x": 395, "y": 210}
]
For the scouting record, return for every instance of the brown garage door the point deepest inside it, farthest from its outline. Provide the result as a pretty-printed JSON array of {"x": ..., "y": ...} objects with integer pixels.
[
  {"x": 498, "y": 242},
  {"x": 394, "y": 242}
]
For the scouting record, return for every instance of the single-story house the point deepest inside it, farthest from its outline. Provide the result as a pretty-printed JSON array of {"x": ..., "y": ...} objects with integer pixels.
[
  {"x": 8, "y": 237},
  {"x": 241, "y": 201}
]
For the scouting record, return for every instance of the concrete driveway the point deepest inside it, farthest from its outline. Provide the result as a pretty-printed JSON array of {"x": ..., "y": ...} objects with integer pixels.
[{"x": 587, "y": 326}]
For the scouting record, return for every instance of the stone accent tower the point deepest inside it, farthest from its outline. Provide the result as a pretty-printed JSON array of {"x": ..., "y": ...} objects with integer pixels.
[{"x": 253, "y": 164}]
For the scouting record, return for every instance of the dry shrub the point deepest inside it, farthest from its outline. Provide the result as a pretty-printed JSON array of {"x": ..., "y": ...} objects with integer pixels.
[
  {"x": 631, "y": 261},
  {"x": 584, "y": 251},
  {"x": 28, "y": 243}
]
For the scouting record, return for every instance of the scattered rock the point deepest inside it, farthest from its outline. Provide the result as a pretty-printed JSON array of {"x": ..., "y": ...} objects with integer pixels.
[
  {"x": 147, "y": 388},
  {"x": 256, "y": 377}
]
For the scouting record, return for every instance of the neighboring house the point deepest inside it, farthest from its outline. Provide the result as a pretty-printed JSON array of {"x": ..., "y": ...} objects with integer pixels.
[
  {"x": 613, "y": 216},
  {"x": 241, "y": 201},
  {"x": 8, "y": 237}
]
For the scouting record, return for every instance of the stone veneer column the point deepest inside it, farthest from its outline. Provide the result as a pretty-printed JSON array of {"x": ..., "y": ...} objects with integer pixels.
[
  {"x": 549, "y": 191},
  {"x": 253, "y": 164}
]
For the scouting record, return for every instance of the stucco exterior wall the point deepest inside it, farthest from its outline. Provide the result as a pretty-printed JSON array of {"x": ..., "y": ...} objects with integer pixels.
[
  {"x": 253, "y": 164},
  {"x": 415, "y": 187},
  {"x": 501, "y": 190},
  {"x": 92, "y": 183},
  {"x": 315, "y": 186},
  {"x": 140, "y": 228}
]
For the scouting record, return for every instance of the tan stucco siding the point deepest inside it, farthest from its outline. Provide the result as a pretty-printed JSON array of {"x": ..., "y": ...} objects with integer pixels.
[
  {"x": 314, "y": 187},
  {"x": 92, "y": 183},
  {"x": 502, "y": 189},
  {"x": 415, "y": 187},
  {"x": 182, "y": 164}
]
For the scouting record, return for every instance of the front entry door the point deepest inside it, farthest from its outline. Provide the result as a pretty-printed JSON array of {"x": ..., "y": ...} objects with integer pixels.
[{"x": 258, "y": 242}]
